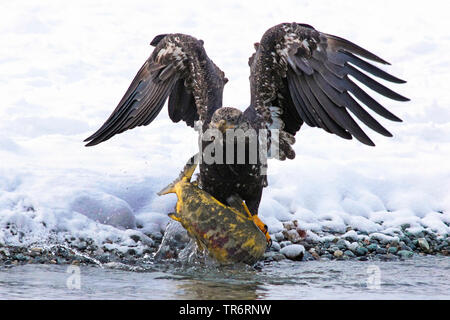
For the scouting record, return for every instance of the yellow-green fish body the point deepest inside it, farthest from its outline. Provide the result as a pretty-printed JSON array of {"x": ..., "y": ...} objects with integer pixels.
[{"x": 230, "y": 235}]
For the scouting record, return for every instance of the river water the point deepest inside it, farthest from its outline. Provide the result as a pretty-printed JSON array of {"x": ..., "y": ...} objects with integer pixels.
[{"x": 425, "y": 277}]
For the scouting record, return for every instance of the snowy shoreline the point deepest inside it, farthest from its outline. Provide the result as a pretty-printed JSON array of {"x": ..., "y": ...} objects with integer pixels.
[
  {"x": 291, "y": 243},
  {"x": 61, "y": 75}
]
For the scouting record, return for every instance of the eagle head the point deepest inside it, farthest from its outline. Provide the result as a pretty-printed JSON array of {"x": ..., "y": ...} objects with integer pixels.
[{"x": 227, "y": 118}]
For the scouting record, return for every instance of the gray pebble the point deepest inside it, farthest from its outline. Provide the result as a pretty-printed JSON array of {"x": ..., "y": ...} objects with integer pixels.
[
  {"x": 308, "y": 257},
  {"x": 338, "y": 253},
  {"x": 285, "y": 243},
  {"x": 279, "y": 236},
  {"x": 423, "y": 244},
  {"x": 275, "y": 246},
  {"x": 405, "y": 254},
  {"x": 363, "y": 258},
  {"x": 327, "y": 256},
  {"x": 341, "y": 244},
  {"x": 350, "y": 254},
  {"x": 361, "y": 251},
  {"x": 392, "y": 250}
]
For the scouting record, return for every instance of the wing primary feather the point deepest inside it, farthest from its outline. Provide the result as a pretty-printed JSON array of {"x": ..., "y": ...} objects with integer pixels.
[
  {"x": 370, "y": 68},
  {"x": 319, "y": 112},
  {"x": 364, "y": 116},
  {"x": 374, "y": 85},
  {"x": 339, "y": 115},
  {"x": 155, "y": 81},
  {"x": 338, "y": 43},
  {"x": 304, "y": 102},
  {"x": 332, "y": 110},
  {"x": 299, "y": 103},
  {"x": 371, "y": 102},
  {"x": 331, "y": 76},
  {"x": 112, "y": 119},
  {"x": 302, "y": 65},
  {"x": 345, "y": 100}
]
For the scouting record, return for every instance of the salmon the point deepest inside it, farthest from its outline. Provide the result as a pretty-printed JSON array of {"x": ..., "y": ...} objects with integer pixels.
[{"x": 228, "y": 233}]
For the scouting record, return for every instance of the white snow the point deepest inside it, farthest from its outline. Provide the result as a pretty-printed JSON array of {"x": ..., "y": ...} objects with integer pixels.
[{"x": 64, "y": 67}]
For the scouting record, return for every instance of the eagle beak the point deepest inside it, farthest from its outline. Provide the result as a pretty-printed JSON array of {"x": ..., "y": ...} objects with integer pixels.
[{"x": 223, "y": 125}]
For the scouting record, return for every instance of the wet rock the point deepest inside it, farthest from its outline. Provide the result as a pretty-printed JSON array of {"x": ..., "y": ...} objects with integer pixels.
[
  {"x": 319, "y": 250},
  {"x": 104, "y": 258},
  {"x": 332, "y": 249},
  {"x": 20, "y": 257},
  {"x": 338, "y": 253},
  {"x": 388, "y": 257},
  {"x": 285, "y": 243},
  {"x": 349, "y": 254},
  {"x": 289, "y": 225},
  {"x": 279, "y": 236},
  {"x": 403, "y": 246},
  {"x": 372, "y": 247},
  {"x": 82, "y": 245},
  {"x": 5, "y": 252},
  {"x": 275, "y": 246},
  {"x": 423, "y": 244},
  {"x": 36, "y": 251},
  {"x": 363, "y": 258},
  {"x": 135, "y": 237},
  {"x": 292, "y": 235},
  {"x": 353, "y": 246},
  {"x": 405, "y": 226},
  {"x": 341, "y": 244},
  {"x": 293, "y": 251},
  {"x": 361, "y": 251},
  {"x": 351, "y": 235},
  {"x": 327, "y": 256},
  {"x": 405, "y": 254},
  {"x": 131, "y": 252},
  {"x": 392, "y": 250},
  {"x": 273, "y": 256},
  {"x": 314, "y": 253},
  {"x": 40, "y": 260},
  {"x": 308, "y": 257},
  {"x": 381, "y": 251}
]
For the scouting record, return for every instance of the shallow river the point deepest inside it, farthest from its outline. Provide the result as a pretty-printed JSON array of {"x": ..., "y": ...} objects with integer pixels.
[{"x": 418, "y": 278}]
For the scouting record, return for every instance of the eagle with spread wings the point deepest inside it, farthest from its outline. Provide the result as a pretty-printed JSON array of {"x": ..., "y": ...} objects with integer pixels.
[{"x": 298, "y": 75}]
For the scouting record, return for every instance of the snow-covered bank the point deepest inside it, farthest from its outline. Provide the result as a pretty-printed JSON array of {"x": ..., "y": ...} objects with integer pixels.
[{"x": 63, "y": 68}]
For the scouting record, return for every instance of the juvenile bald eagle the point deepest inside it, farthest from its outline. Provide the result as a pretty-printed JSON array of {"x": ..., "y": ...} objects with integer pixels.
[{"x": 297, "y": 75}]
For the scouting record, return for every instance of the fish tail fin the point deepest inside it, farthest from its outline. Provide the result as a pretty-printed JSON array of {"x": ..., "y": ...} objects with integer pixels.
[
  {"x": 169, "y": 189},
  {"x": 187, "y": 173}
]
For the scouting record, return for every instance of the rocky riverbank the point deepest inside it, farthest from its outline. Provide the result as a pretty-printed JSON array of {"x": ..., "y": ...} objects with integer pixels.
[
  {"x": 291, "y": 243},
  {"x": 401, "y": 243}
]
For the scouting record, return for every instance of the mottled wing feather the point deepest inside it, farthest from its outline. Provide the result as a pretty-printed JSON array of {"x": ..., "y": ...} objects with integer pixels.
[
  {"x": 178, "y": 69},
  {"x": 314, "y": 69}
]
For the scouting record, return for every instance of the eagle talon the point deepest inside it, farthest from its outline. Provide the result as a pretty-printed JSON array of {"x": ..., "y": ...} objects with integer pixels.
[{"x": 261, "y": 225}]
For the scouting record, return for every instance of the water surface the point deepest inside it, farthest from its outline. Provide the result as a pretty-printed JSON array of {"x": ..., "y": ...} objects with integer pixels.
[{"x": 418, "y": 278}]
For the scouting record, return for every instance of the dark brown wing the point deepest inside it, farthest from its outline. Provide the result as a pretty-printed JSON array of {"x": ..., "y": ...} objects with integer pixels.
[
  {"x": 178, "y": 69},
  {"x": 306, "y": 74}
]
